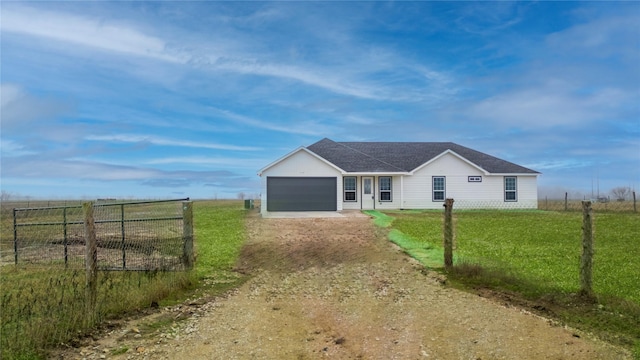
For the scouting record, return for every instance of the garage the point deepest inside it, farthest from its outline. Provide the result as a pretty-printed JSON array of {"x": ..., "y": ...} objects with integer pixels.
[{"x": 301, "y": 193}]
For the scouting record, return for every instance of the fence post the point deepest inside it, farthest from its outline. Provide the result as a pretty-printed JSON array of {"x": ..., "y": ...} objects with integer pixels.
[
  {"x": 586, "y": 260},
  {"x": 124, "y": 253},
  {"x": 187, "y": 234},
  {"x": 448, "y": 233},
  {"x": 15, "y": 237},
  {"x": 91, "y": 255},
  {"x": 64, "y": 233},
  {"x": 635, "y": 209},
  {"x": 566, "y": 201}
]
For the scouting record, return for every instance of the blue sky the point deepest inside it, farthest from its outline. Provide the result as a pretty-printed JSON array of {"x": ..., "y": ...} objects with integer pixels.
[{"x": 175, "y": 99}]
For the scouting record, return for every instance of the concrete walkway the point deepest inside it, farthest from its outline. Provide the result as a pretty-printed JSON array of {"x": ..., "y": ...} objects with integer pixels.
[{"x": 313, "y": 214}]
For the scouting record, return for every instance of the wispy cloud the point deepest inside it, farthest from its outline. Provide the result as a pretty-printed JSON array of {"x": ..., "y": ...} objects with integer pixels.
[
  {"x": 106, "y": 35},
  {"x": 318, "y": 77},
  {"x": 19, "y": 108},
  {"x": 11, "y": 148},
  {"x": 303, "y": 127},
  {"x": 33, "y": 167},
  {"x": 350, "y": 77},
  {"x": 101, "y": 171},
  {"x": 488, "y": 19},
  {"x": 154, "y": 140},
  {"x": 538, "y": 107},
  {"x": 249, "y": 163}
]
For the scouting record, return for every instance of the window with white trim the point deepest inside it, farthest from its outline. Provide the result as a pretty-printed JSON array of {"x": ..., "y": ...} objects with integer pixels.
[
  {"x": 350, "y": 188},
  {"x": 439, "y": 188},
  {"x": 384, "y": 184},
  {"x": 510, "y": 188}
]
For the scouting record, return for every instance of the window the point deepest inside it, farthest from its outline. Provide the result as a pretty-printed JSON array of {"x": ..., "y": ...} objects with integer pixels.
[
  {"x": 385, "y": 188},
  {"x": 438, "y": 188},
  {"x": 475, "y": 178},
  {"x": 350, "y": 188},
  {"x": 367, "y": 185},
  {"x": 510, "y": 188}
]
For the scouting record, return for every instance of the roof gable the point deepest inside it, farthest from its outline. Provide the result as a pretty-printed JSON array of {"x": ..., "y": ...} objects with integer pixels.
[
  {"x": 287, "y": 156},
  {"x": 405, "y": 156},
  {"x": 453, "y": 153}
]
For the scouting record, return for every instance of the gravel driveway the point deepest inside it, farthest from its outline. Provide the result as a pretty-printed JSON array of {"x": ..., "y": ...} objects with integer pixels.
[{"x": 335, "y": 288}]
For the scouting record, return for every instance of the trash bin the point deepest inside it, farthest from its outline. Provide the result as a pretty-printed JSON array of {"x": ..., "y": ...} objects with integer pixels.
[{"x": 248, "y": 204}]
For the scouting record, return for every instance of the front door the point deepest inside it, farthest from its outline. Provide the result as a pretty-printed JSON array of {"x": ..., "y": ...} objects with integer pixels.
[{"x": 368, "y": 193}]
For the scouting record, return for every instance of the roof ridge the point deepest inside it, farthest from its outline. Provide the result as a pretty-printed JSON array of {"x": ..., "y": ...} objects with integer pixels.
[{"x": 369, "y": 156}]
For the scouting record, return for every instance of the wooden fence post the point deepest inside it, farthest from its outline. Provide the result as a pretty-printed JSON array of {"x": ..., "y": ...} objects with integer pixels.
[
  {"x": 566, "y": 201},
  {"x": 91, "y": 255},
  {"x": 448, "y": 233},
  {"x": 122, "y": 232},
  {"x": 187, "y": 234},
  {"x": 586, "y": 260},
  {"x": 64, "y": 234},
  {"x": 635, "y": 209},
  {"x": 15, "y": 237}
]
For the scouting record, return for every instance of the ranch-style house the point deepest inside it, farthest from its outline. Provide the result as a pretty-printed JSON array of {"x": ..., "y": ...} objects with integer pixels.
[{"x": 335, "y": 176}]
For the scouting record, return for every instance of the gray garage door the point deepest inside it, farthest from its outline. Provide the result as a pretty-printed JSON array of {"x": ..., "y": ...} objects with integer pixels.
[{"x": 301, "y": 194}]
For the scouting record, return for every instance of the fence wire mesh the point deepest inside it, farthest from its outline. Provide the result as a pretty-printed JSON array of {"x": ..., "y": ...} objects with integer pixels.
[
  {"x": 602, "y": 204},
  {"x": 129, "y": 236},
  {"x": 45, "y": 298},
  {"x": 549, "y": 204}
]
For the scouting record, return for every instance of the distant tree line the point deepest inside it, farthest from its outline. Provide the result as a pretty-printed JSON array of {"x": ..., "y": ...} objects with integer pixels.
[{"x": 622, "y": 193}]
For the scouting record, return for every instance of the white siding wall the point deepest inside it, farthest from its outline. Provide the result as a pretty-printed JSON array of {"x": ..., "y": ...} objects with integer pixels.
[
  {"x": 486, "y": 194},
  {"x": 300, "y": 164},
  {"x": 527, "y": 192}
]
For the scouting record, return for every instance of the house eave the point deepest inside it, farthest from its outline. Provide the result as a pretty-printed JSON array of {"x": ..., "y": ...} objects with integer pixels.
[
  {"x": 376, "y": 173},
  {"x": 514, "y": 174}
]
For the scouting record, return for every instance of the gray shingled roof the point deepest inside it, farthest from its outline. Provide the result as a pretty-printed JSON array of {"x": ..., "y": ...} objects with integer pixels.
[{"x": 403, "y": 156}]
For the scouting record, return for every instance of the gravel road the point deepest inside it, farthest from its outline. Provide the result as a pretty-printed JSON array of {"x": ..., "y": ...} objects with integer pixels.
[{"x": 335, "y": 288}]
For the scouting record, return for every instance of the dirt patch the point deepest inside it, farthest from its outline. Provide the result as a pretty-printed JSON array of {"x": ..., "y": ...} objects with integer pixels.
[{"x": 336, "y": 288}]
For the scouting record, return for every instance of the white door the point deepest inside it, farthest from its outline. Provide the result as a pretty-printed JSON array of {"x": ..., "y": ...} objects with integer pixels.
[{"x": 368, "y": 193}]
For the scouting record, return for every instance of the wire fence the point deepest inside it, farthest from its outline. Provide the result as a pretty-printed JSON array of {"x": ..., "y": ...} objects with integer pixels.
[
  {"x": 543, "y": 242},
  {"x": 599, "y": 204},
  {"x": 144, "y": 235},
  {"x": 602, "y": 204},
  {"x": 57, "y": 265}
]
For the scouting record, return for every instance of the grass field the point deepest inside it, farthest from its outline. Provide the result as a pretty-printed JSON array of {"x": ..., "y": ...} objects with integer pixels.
[
  {"x": 537, "y": 254},
  {"x": 542, "y": 247},
  {"x": 220, "y": 234},
  {"x": 45, "y": 306}
]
